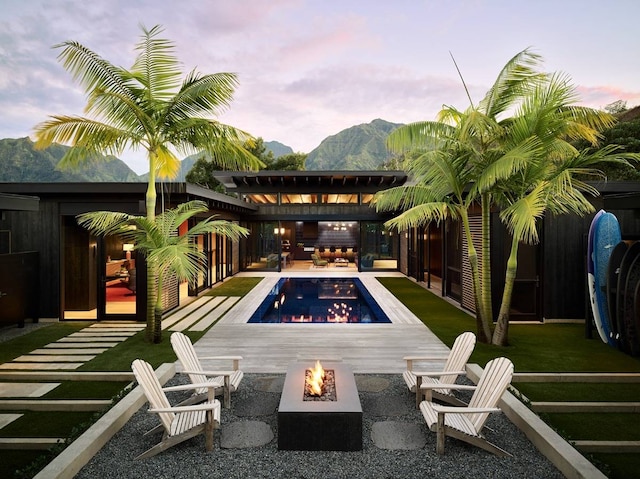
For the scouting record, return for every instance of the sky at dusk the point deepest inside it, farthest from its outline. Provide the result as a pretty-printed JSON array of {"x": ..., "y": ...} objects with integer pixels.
[{"x": 309, "y": 69}]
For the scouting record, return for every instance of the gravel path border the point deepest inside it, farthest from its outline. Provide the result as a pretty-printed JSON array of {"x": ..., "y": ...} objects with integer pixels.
[{"x": 387, "y": 407}]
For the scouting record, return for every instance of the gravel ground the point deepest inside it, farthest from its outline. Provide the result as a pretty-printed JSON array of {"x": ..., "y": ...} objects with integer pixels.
[{"x": 386, "y": 403}]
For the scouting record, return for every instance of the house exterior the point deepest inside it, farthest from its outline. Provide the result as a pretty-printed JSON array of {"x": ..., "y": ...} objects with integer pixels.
[{"x": 293, "y": 215}]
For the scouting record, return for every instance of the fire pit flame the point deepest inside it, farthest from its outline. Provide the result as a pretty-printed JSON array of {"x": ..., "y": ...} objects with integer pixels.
[{"x": 316, "y": 380}]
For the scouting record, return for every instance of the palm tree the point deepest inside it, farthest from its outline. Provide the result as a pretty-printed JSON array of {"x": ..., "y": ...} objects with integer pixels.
[
  {"x": 547, "y": 181},
  {"x": 147, "y": 107},
  {"x": 456, "y": 150},
  {"x": 170, "y": 254}
]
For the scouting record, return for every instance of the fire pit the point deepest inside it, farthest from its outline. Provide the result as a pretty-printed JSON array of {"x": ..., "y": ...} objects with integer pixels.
[{"x": 325, "y": 419}]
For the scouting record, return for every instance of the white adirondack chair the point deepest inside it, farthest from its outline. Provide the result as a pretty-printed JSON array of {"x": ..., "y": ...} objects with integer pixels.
[
  {"x": 454, "y": 366},
  {"x": 226, "y": 381},
  {"x": 466, "y": 423},
  {"x": 179, "y": 422}
]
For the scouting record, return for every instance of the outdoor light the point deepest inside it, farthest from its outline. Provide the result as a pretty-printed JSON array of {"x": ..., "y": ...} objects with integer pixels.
[{"x": 127, "y": 248}]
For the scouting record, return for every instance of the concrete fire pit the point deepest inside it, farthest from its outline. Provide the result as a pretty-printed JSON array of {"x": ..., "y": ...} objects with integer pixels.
[{"x": 320, "y": 425}]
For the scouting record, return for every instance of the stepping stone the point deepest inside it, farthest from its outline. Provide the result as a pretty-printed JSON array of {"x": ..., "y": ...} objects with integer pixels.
[
  {"x": 68, "y": 351},
  {"x": 40, "y": 366},
  {"x": 101, "y": 334},
  {"x": 243, "y": 434},
  {"x": 273, "y": 384},
  {"x": 81, "y": 345},
  {"x": 8, "y": 418},
  {"x": 183, "y": 312},
  {"x": 38, "y": 358},
  {"x": 256, "y": 406},
  {"x": 189, "y": 319},
  {"x": 91, "y": 339},
  {"x": 216, "y": 314},
  {"x": 30, "y": 390},
  {"x": 387, "y": 405},
  {"x": 393, "y": 435},
  {"x": 371, "y": 384}
]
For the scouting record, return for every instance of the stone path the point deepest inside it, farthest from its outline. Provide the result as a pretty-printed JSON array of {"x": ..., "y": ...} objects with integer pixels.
[
  {"x": 200, "y": 314},
  {"x": 66, "y": 354}
]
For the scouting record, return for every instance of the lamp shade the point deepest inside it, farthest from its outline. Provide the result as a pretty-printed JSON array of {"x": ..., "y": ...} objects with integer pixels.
[{"x": 127, "y": 248}]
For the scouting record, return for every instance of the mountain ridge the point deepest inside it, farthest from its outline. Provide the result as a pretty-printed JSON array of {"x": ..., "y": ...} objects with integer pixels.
[{"x": 360, "y": 147}]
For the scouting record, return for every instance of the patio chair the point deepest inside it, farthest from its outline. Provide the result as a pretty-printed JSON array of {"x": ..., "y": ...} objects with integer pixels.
[
  {"x": 179, "y": 422},
  {"x": 319, "y": 263},
  {"x": 225, "y": 382},
  {"x": 466, "y": 423},
  {"x": 454, "y": 366}
]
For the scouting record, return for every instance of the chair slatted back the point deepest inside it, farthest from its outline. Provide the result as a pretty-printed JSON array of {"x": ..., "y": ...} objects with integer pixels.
[
  {"x": 183, "y": 347},
  {"x": 458, "y": 356},
  {"x": 146, "y": 377},
  {"x": 492, "y": 384}
]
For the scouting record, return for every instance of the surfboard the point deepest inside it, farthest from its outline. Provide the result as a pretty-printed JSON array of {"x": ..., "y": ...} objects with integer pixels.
[
  {"x": 621, "y": 297},
  {"x": 613, "y": 270},
  {"x": 591, "y": 279},
  {"x": 605, "y": 237},
  {"x": 632, "y": 336}
]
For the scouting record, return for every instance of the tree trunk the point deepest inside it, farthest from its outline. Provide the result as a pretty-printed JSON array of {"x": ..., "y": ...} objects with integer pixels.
[
  {"x": 152, "y": 291},
  {"x": 501, "y": 333},
  {"x": 482, "y": 324},
  {"x": 486, "y": 257},
  {"x": 157, "y": 313}
]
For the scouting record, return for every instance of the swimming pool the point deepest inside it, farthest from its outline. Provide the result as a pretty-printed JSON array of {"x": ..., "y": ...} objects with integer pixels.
[{"x": 319, "y": 300}]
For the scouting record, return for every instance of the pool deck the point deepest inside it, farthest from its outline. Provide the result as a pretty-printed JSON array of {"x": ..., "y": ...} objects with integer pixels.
[{"x": 367, "y": 348}]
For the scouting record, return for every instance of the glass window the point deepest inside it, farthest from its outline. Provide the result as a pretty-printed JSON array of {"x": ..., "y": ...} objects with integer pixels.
[{"x": 379, "y": 247}]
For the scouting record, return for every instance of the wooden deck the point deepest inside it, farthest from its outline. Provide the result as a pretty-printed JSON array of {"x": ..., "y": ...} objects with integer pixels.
[{"x": 367, "y": 348}]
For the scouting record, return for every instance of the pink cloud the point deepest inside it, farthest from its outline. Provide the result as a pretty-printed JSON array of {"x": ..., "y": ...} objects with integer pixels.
[{"x": 600, "y": 96}]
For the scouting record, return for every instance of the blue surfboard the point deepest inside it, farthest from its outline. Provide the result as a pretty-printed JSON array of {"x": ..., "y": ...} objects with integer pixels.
[
  {"x": 591, "y": 279},
  {"x": 606, "y": 236}
]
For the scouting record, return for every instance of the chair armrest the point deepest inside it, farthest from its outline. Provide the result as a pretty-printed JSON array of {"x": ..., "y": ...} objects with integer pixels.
[
  {"x": 460, "y": 387},
  {"x": 209, "y": 373},
  {"x": 195, "y": 407},
  {"x": 187, "y": 387},
  {"x": 438, "y": 374},
  {"x": 463, "y": 410}
]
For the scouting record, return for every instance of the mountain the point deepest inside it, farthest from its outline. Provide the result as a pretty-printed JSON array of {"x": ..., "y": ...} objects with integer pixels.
[
  {"x": 361, "y": 147},
  {"x": 277, "y": 148},
  {"x": 22, "y": 163}
]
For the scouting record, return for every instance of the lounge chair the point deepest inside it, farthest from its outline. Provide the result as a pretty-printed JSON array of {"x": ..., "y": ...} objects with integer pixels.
[
  {"x": 466, "y": 423},
  {"x": 455, "y": 366},
  {"x": 179, "y": 422},
  {"x": 319, "y": 263},
  {"x": 225, "y": 382}
]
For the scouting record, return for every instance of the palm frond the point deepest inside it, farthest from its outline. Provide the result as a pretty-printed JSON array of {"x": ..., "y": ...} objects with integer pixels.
[
  {"x": 203, "y": 96},
  {"x": 418, "y": 136},
  {"x": 402, "y": 197},
  {"x": 91, "y": 70},
  {"x": 521, "y": 216},
  {"x": 422, "y": 215},
  {"x": 156, "y": 66},
  {"x": 88, "y": 137},
  {"x": 516, "y": 77}
]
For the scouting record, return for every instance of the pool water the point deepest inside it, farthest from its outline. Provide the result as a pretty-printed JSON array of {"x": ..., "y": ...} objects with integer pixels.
[{"x": 319, "y": 300}]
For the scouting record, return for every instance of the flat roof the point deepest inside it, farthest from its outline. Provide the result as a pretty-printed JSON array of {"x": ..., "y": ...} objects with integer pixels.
[
  {"x": 269, "y": 181},
  {"x": 9, "y": 202},
  {"x": 118, "y": 189}
]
